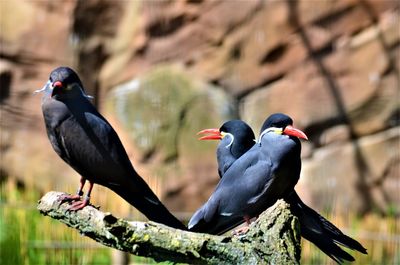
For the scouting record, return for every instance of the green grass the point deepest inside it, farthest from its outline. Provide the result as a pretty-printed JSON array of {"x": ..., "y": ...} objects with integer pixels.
[{"x": 26, "y": 237}]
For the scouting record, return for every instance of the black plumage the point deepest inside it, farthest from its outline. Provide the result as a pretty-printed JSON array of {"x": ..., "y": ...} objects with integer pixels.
[
  {"x": 84, "y": 139},
  {"x": 322, "y": 233},
  {"x": 265, "y": 173},
  {"x": 236, "y": 138},
  {"x": 314, "y": 227}
]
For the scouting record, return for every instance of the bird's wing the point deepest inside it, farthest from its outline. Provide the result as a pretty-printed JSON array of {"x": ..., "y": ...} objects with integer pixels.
[
  {"x": 82, "y": 140},
  {"x": 115, "y": 152},
  {"x": 54, "y": 114},
  {"x": 58, "y": 143},
  {"x": 230, "y": 201},
  {"x": 207, "y": 220},
  {"x": 205, "y": 213},
  {"x": 245, "y": 182}
]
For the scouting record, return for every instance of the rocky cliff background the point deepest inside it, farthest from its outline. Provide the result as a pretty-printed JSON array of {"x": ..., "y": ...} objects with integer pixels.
[{"x": 162, "y": 70}]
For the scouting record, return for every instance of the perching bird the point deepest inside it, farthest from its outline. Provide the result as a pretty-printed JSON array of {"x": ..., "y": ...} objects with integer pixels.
[
  {"x": 236, "y": 139},
  {"x": 265, "y": 173},
  {"x": 84, "y": 139}
]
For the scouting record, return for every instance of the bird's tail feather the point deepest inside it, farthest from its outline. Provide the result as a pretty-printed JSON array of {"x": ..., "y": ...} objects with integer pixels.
[
  {"x": 152, "y": 208},
  {"x": 323, "y": 233}
]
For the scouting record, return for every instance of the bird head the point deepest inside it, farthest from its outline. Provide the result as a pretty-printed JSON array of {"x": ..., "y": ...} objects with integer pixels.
[
  {"x": 237, "y": 132},
  {"x": 280, "y": 123},
  {"x": 63, "y": 81}
]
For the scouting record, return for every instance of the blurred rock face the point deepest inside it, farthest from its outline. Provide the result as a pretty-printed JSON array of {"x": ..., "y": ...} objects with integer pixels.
[
  {"x": 161, "y": 112},
  {"x": 162, "y": 70}
]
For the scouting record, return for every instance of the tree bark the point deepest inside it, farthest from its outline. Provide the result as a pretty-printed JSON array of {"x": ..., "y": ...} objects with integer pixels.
[{"x": 274, "y": 238}]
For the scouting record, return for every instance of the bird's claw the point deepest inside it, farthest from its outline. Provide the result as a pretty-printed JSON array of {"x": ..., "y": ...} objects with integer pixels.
[
  {"x": 78, "y": 205},
  {"x": 68, "y": 198},
  {"x": 241, "y": 231}
]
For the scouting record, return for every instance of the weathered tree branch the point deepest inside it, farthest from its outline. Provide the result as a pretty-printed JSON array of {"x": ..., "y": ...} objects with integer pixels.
[{"x": 273, "y": 239}]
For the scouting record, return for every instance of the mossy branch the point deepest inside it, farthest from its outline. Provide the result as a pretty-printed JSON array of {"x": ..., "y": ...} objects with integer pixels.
[{"x": 273, "y": 239}]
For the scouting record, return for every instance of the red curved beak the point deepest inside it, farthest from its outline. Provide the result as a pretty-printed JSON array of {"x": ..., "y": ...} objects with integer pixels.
[
  {"x": 290, "y": 130},
  {"x": 213, "y": 134}
]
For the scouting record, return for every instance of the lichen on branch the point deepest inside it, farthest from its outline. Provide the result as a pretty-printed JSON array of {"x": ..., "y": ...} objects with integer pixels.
[{"x": 273, "y": 239}]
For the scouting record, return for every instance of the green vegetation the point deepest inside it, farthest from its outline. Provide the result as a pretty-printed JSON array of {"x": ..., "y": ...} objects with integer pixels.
[{"x": 26, "y": 237}]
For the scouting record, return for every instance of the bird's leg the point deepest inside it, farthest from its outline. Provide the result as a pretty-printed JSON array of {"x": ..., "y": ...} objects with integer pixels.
[
  {"x": 81, "y": 204},
  {"x": 78, "y": 194},
  {"x": 244, "y": 229}
]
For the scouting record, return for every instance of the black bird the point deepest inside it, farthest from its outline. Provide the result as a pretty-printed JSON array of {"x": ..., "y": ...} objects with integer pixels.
[
  {"x": 314, "y": 227},
  {"x": 84, "y": 139},
  {"x": 236, "y": 139},
  {"x": 265, "y": 173}
]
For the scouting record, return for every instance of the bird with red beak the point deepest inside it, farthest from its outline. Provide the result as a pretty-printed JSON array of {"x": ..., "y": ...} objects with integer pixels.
[
  {"x": 268, "y": 171},
  {"x": 86, "y": 141},
  {"x": 314, "y": 227}
]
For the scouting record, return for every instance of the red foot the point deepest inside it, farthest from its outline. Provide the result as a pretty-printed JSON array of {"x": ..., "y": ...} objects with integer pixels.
[
  {"x": 68, "y": 198},
  {"x": 78, "y": 205},
  {"x": 241, "y": 231}
]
